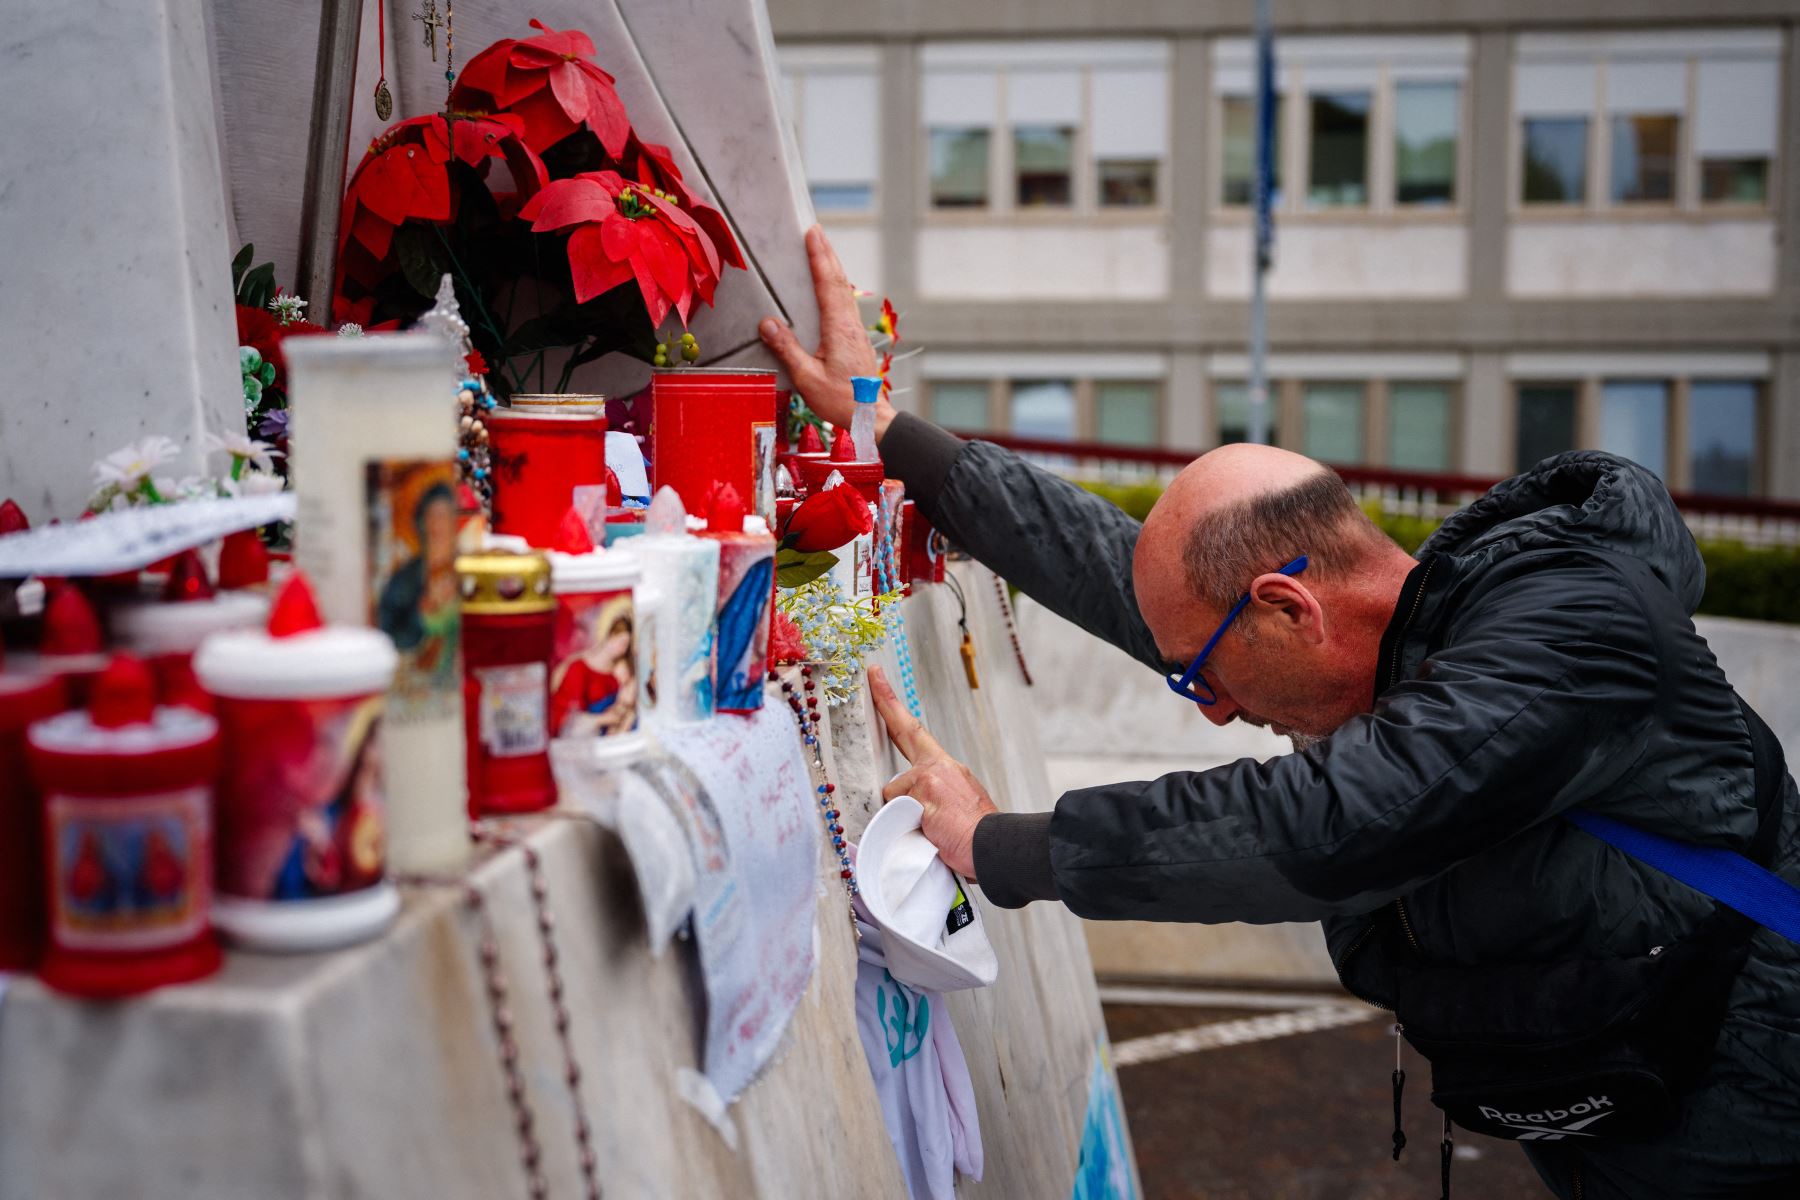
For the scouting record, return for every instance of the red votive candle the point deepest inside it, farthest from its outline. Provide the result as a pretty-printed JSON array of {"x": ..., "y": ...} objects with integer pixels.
[
  {"x": 128, "y": 800},
  {"x": 709, "y": 426},
  {"x": 540, "y": 456},
  {"x": 509, "y": 619},
  {"x": 302, "y": 846},
  {"x": 24, "y": 698},
  {"x": 166, "y": 633},
  {"x": 746, "y": 602}
]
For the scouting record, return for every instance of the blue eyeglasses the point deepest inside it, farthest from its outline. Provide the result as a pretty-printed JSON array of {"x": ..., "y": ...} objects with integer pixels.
[{"x": 1191, "y": 686}]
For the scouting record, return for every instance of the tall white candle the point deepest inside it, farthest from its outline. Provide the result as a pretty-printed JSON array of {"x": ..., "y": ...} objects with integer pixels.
[{"x": 374, "y": 440}]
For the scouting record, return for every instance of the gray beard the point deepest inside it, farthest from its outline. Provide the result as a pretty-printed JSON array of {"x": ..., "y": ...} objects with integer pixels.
[{"x": 1304, "y": 741}]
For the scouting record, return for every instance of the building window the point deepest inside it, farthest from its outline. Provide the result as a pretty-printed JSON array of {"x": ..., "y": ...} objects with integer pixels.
[
  {"x": 1125, "y": 412},
  {"x": 1556, "y": 160},
  {"x": 1722, "y": 436},
  {"x": 1077, "y": 126},
  {"x": 1338, "y": 154},
  {"x": 1129, "y": 125},
  {"x": 1634, "y": 421},
  {"x": 1043, "y": 160},
  {"x": 1643, "y": 159},
  {"x": 1660, "y": 108},
  {"x": 1426, "y": 119},
  {"x": 1044, "y": 408},
  {"x": 835, "y": 110},
  {"x": 1333, "y": 421},
  {"x": 960, "y": 404},
  {"x": 1238, "y": 179},
  {"x": 1736, "y": 107},
  {"x": 1232, "y": 403},
  {"x": 1546, "y": 424},
  {"x": 1419, "y": 426},
  {"x": 959, "y": 168}
]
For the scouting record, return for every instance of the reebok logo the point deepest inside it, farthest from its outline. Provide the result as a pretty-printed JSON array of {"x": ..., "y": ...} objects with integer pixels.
[{"x": 1553, "y": 1124}]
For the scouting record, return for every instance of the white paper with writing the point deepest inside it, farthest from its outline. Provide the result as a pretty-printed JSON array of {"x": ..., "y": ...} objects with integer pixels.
[{"x": 756, "y": 899}]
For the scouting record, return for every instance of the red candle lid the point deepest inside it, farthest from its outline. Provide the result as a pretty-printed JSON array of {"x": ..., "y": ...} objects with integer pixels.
[
  {"x": 12, "y": 518},
  {"x": 842, "y": 448},
  {"x": 810, "y": 441},
  {"x": 123, "y": 694},
  {"x": 187, "y": 579},
  {"x": 295, "y": 611},
  {"x": 725, "y": 510},
  {"x": 572, "y": 536},
  {"x": 243, "y": 560},
  {"x": 70, "y": 626}
]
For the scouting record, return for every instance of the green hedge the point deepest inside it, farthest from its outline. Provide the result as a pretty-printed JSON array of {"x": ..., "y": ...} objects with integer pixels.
[{"x": 1758, "y": 582}]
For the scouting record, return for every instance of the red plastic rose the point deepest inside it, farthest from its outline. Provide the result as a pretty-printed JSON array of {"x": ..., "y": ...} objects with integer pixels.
[
  {"x": 827, "y": 520},
  {"x": 621, "y": 232},
  {"x": 548, "y": 82},
  {"x": 258, "y": 328}
]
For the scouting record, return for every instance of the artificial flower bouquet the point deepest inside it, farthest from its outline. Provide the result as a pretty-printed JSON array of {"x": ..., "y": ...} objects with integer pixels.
[{"x": 568, "y": 236}]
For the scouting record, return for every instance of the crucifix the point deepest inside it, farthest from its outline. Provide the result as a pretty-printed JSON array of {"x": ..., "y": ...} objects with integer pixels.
[{"x": 433, "y": 21}]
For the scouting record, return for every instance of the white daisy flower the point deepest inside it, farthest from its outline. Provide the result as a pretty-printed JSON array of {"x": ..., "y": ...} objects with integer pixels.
[
  {"x": 129, "y": 467},
  {"x": 254, "y": 483},
  {"x": 349, "y": 329},
  {"x": 260, "y": 455}
]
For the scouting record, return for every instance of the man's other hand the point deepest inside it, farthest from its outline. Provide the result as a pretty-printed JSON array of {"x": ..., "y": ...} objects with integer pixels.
[
  {"x": 823, "y": 379},
  {"x": 953, "y": 799}
]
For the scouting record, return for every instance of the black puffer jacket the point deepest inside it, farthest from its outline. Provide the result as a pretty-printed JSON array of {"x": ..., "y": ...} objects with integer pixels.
[{"x": 1542, "y": 658}]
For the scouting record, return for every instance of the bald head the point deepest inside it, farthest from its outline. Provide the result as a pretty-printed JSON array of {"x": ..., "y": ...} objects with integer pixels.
[{"x": 1236, "y": 513}]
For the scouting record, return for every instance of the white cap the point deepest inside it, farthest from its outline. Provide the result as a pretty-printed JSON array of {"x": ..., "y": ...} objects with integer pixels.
[
  {"x": 338, "y": 660},
  {"x": 932, "y": 933},
  {"x": 179, "y": 626},
  {"x": 613, "y": 569}
]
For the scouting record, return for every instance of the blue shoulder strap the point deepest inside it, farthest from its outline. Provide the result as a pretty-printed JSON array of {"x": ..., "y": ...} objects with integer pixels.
[
  {"x": 1727, "y": 877},
  {"x": 1732, "y": 879}
]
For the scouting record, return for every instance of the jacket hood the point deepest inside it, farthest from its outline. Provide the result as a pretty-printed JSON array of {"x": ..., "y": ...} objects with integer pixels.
[{"x": 1582, "y": 499}]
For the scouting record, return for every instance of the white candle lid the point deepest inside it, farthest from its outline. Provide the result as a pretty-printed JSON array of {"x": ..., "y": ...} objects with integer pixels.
[
  {"x": 169, "y": 728},
  {"x": 338, "y": 660},
  {"x": 179, "y": 626},
  {"x": 599, "y": 571}
]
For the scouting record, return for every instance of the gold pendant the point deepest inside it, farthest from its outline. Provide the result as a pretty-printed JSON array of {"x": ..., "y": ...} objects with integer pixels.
[{"x": 384, "y": 99}]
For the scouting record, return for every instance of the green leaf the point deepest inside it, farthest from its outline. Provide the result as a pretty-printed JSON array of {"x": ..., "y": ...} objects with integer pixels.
[
  {"x": 794, "y": 569},
  {"x": 240, "y": 264},
  {"x": 258, "y": 287},
  {"x": 420, "y": 260}
]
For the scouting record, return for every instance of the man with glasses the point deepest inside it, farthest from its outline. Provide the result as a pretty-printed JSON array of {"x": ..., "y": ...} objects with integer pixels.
[{"x": 1536, "y": 661}]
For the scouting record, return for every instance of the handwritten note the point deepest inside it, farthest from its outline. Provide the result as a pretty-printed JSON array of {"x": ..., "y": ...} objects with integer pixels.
[{"x": 756, "y": 895}]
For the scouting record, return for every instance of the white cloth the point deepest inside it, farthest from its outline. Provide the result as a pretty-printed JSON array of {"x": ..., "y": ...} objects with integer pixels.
[
  {"x": 934, "y": 934},
  {"x": 921, "y": 1077}
]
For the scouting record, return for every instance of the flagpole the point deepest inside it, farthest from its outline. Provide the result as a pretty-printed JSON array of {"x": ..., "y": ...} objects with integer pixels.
[{"x": 1263, "y": 237}]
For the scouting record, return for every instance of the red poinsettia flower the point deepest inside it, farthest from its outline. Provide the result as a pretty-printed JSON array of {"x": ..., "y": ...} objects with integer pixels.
[
  {"x": 405, "y": 176},
  {"x": 656, "y": 166},
  {"x": 826, "y": 520},
  {"x": 550, "y": 84},
  {"x": 624, "y": 231}
]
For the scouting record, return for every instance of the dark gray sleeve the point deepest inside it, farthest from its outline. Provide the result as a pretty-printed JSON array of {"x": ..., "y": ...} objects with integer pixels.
[
  {"x": 1012, "y": 858},
  {"x": 1063, "y": 546}
]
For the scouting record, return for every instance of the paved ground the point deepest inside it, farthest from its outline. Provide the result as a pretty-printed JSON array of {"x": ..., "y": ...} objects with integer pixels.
[{"x": 1286, "y": 1097}]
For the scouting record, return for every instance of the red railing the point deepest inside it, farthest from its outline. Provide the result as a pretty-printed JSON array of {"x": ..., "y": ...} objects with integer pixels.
[{"x": 1416, "y": 493}]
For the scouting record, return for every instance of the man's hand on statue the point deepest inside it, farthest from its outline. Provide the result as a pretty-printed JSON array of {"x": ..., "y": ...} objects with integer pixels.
[
  {"x": 953, "y": 799},
  {"x": 823, "y": 378}
]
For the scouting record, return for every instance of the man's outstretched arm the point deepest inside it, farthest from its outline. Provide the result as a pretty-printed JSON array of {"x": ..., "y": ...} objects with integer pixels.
[{"x": 1063, "y": 546}]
